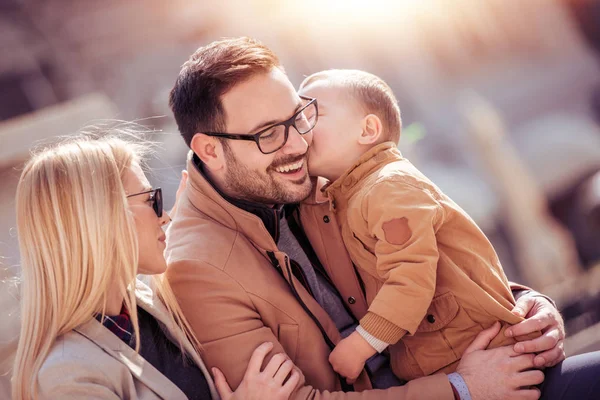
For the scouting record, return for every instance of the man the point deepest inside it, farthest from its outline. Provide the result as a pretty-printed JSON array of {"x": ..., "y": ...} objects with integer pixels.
[{"x": 248, "y": 270}]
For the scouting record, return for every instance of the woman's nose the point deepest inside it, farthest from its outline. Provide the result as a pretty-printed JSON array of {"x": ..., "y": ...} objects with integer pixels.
[{"x": 165, "y": 218}]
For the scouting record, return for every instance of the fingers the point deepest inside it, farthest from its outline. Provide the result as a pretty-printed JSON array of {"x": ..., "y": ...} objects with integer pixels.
[
  {"x": 527, "y": 394},
  {"x": 221, "y": 384},
  {"x": 274, "y": 365},
  {"x": 523, "y": 306},
  {"x": 551, "y": 357},
  {"x": 529, "y": 378},
  {"x": 291, "y": 383},
  {"x": 483, "y": 339},
  {"x": 257, "y": 358},
  {"x": 537, "y": 323},
  {"x": 283, "y": 371},
  {"x": 523, "y": 362},
  {"x": 547, "y": 341}
]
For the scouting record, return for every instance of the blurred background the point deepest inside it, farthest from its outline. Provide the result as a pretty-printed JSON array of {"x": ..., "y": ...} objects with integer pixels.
[{"x": 500, "y": 102}]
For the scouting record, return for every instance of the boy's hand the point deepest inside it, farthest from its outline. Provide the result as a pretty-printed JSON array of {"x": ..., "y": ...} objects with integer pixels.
[{"x": 349, "y": 356}]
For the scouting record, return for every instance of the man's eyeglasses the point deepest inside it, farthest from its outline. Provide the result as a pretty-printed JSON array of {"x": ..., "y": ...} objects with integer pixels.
[
  {"x": 156, "y": 199},
  {"x": 273, "y": 138}
]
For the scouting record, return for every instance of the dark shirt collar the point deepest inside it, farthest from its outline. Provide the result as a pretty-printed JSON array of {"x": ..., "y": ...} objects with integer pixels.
[
  {"x": 120, "y": 325},
  {"x": 269, "y": 215}
]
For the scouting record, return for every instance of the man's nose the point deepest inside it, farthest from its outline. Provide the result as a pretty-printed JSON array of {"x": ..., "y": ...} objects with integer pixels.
[{"x": 297, "y": 143}]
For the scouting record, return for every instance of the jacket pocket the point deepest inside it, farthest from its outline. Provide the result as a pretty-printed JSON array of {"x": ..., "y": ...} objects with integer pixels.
[
  {"x": 288, "y": 337},
  {"x": 439, "y": 341}
]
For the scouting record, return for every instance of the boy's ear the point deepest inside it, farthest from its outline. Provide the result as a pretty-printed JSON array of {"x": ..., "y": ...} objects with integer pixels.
[
  {"x": 209, "y": 150},
  {"x": 372, "y": 129}
]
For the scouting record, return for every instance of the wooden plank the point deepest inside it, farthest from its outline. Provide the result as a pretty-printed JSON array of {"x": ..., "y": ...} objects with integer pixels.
[{"x": 18, "y": 135}]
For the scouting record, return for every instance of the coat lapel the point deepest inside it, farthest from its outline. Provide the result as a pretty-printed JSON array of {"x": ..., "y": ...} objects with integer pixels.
[
  {"x": 137, "y": 365},
  {"x": 148, "y": 301}
]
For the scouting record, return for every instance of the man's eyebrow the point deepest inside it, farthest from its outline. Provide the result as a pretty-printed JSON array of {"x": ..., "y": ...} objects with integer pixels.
[{"x": 273, "y": 122}]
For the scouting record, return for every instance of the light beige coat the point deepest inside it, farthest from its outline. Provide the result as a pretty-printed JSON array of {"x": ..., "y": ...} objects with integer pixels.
[{"x": 90, "y": 362}]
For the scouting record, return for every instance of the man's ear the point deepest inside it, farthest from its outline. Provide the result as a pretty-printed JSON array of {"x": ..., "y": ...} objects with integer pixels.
[
  {"x": 372, "y": 129},
  {"x": 209, "y": 150}
]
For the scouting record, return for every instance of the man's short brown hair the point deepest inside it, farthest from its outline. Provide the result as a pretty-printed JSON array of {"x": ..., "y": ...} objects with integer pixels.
[
  {"x": 210, "y": 73},
  {"x": 371, "y": 93}
]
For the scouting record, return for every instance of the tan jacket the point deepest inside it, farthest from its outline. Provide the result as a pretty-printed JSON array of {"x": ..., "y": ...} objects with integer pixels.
[
  {"x": 222, "y": 268},
  {"x": 91, "y": 362},
  {"x": 427, "y": 268}
]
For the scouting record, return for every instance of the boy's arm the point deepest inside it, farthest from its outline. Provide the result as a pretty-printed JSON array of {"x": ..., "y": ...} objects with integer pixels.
[{"x": 403, "y": 219}]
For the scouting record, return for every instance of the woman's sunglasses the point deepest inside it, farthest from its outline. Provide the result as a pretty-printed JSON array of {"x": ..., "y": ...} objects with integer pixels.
[{"x": 155, "y": 198}]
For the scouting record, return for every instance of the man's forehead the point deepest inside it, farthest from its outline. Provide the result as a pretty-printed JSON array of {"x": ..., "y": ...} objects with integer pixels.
[{"x": 264, "y": 98}]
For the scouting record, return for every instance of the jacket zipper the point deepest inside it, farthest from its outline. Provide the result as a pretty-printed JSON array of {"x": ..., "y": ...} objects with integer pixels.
[
  {"x": 316, "y": 263},
  {"x": 276, "y": 225}
]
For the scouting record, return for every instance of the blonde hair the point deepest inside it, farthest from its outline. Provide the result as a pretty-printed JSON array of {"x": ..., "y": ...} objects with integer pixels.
[
  {"x": 373, "y": 95},
  {"x": 77, "y": 239}
]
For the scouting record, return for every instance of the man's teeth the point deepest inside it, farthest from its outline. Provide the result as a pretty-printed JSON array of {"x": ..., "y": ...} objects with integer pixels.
[{"x": 290, "y": 167}]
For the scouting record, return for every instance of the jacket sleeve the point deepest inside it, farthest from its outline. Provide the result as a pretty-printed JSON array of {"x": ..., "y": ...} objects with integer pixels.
[
  {"x": 70, "y": 381},
  {"x": 229, "y": 327},
  {"x": 403, "y": 220},
  {"x": 519, "y": 291}
]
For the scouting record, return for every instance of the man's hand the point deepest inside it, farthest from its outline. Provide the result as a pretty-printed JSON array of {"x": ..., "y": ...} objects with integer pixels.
[
  {"x": 500, "y": 373},
  {"x": 349, "y": 356},
  {"x": 541, "y": 315}
]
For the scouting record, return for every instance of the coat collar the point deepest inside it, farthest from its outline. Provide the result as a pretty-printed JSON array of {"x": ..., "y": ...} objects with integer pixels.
[
  {"x": 239, "y": 217},
  {"x": 262, "y": 211},
  {"x": 139, "y": 367},
  {"x": 373, "y": 159}
]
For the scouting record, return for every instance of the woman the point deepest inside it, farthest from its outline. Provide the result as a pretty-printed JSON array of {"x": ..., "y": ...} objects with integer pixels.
[{"x": 88, "y": 223}]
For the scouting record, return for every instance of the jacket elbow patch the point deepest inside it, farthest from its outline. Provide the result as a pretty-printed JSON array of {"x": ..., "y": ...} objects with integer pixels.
[{"x": 397, "y": 231}]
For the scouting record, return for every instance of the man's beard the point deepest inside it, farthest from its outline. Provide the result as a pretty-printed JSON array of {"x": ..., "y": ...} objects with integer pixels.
[{"x": 247, "y": 184}]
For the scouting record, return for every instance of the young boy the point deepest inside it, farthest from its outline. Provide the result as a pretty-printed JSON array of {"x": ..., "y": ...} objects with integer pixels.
[{"x": 431, "y": 277}]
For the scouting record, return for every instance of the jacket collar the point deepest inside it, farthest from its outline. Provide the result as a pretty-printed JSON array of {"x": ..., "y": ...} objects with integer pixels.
[
  {"x": 139, "y": 367},
  {"x": 373, "y": 159},
  {"x": 205, "y": 197},
  {"x": 269, "y": 215}
]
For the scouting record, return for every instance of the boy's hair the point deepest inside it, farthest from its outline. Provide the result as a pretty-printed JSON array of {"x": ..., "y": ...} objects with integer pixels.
[
  {"x": 210, "y": 73},
  {"x": 371, "y": 93}
]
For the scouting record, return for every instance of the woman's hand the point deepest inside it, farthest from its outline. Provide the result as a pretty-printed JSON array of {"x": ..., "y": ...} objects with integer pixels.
[
  {"x": 269, "y": 383},
  {"x": 541, "y": 316}
]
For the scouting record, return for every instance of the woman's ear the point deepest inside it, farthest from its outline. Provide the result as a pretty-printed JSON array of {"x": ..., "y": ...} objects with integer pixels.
[
  {"x": 371, "y": 130},
  {"x": 209, "y": 150}
]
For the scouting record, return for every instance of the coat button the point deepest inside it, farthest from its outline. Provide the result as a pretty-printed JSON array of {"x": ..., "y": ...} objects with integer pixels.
[
  {"x": 326, "y": 219},
  {"x": 431, "y": 318},
  {"x": 351, "y": 300}
]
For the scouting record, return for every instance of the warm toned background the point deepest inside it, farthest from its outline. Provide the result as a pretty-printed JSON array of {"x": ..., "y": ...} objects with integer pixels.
[{"x": 500, "y": 102}]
